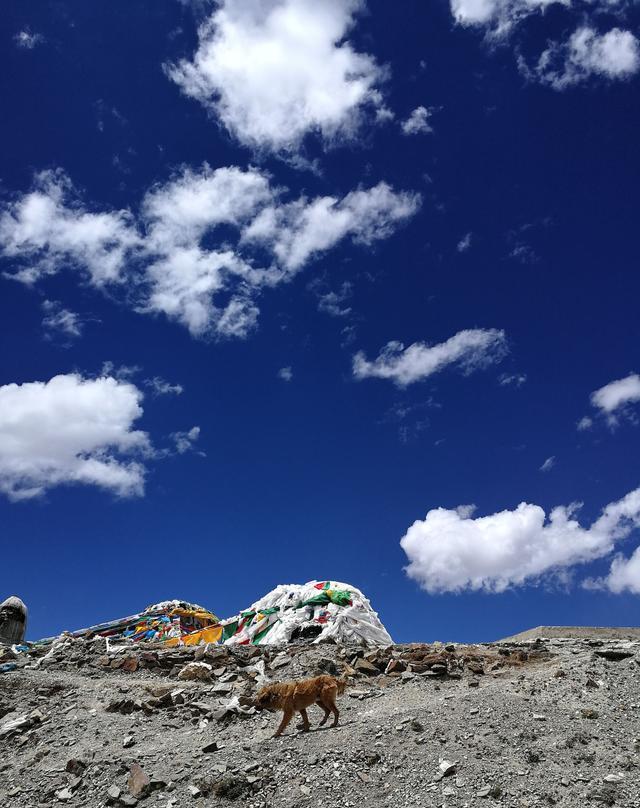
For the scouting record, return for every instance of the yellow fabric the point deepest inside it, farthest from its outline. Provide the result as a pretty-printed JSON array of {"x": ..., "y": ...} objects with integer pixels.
[
  {"x": 210, "y": 634},
  {"x": 208, "y": 616}
]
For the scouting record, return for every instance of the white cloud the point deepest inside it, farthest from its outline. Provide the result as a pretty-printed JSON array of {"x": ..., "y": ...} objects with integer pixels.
[
  {"x": 624, "y": 575},
  {"x": 71, "y": 430},
  {"x": 49, "y": 228},
  {"x": 286, "y": 374},
  {"x": 615, "y": 397},
  {"x": 123, "y": 373},
  {"x": 297, "y": 231},
  {"x": 333, "y": 302},
  {"x": 449, "y": 551},
  {"x": 584, "y": 424},
  {"x": 418, "y": 122},
  {"x": 184, "y": 441},
  {"x": 548, "y": 464},
  {"x": 498, "y": 15},
  {"x": 465, "y": 243},
  {"x": 470, "y": 350},
  {"x": 27, "y": 39},
  {"x": 276, "y": 70},
  {"x": 161, "y": 387},
  {"x": 60, "y": 321},
  {"x": 613, "y": 55},
  {"x": 174, "y": 258},
  {"x": 512, "y": 379}
]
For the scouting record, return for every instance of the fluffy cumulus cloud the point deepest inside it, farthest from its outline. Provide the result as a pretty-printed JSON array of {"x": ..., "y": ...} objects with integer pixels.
[
  {"x": 499, "y": 15},
  {"x": 300, "y": 230},
  {"x": 613, "y": 55},
  {"x": 586, "y": 53},
  {"x": 276, "y": 70},
  {"x": 71, "y": 430},
  {"x": 49, "y": 227},
  {"x": 451, "y": 551},
  {"x": 418, "y": 122},
  {"x": 170, "y": 256},
  {"x": 617, "y": 397},
  {"x": 468, "y": 350},
  {"x": 624, "y": 575}
]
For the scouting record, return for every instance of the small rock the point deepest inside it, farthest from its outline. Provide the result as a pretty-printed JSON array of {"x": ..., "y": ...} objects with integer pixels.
[
  {"x": 198, "y": 671},
  {"x": 395, "y": 666},
  {"x": 64, "y": 794},
  {"x": 128, "y": 742},
  {"x": 212, "y": 747},
  {"x": 447, "y": 767},
  {"x": 614, "y": 778},
  {"x": 280, "y": 660},
  {"x": 138, "y": 782},
  {"x": 130, "y": 665},
  {"x": 76, "y": 767},
  {"x": 366, "y": 667},
  {"x": 613, "y": 654},
  {"x": 193, "y": 790}
]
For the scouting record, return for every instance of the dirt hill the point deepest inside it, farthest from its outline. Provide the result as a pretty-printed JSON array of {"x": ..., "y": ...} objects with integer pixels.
[
  {"x": 576, "y": 633},
  {"x": 516, "y": 725}
]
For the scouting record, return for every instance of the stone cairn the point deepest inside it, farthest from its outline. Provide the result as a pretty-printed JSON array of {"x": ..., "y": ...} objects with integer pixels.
[{"x": 13, "y": 621}]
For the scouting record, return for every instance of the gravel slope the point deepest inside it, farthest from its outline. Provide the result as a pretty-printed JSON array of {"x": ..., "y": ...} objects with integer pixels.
[{"x": 521, "y": 724}]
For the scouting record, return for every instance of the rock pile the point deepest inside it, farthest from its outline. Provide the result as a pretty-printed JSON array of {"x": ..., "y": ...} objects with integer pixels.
[{"x": 517, "y": 725}]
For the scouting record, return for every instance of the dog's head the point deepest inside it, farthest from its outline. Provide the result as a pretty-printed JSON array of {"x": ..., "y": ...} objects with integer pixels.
[{"x": 266, "y": 699}]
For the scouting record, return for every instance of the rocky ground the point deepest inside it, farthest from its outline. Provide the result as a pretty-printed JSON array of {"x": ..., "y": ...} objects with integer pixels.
[{"x": 537, "y": 723}]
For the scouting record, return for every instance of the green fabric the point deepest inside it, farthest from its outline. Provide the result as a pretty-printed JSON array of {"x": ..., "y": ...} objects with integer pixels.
[
  {"x": 258, "y": 637},
  {"x": 315, "y": 600},
  {"x": 229, "y": 630},
  {"x": 341, "y": 597}
]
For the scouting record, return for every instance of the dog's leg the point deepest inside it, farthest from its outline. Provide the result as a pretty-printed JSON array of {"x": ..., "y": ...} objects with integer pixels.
[
  {"x": 329, "y": 700},
  {"x": 305, "y": 720},
  {"x": 327, "y": 713},
  {"x": 288, "y": 715}
]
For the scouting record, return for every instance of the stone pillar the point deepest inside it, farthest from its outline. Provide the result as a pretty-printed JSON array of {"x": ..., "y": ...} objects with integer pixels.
[{"x": 13, "y": 621}]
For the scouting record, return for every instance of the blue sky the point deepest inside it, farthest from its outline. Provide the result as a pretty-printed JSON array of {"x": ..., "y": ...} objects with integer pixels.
[{"x": 288, "y": 288}]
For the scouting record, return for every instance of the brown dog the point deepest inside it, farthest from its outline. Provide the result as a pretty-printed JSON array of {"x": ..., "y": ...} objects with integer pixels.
[{"x": 292, "y": 697}]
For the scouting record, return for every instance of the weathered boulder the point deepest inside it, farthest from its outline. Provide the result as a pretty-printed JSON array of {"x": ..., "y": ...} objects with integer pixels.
[{"x": 13, "y": 621}]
